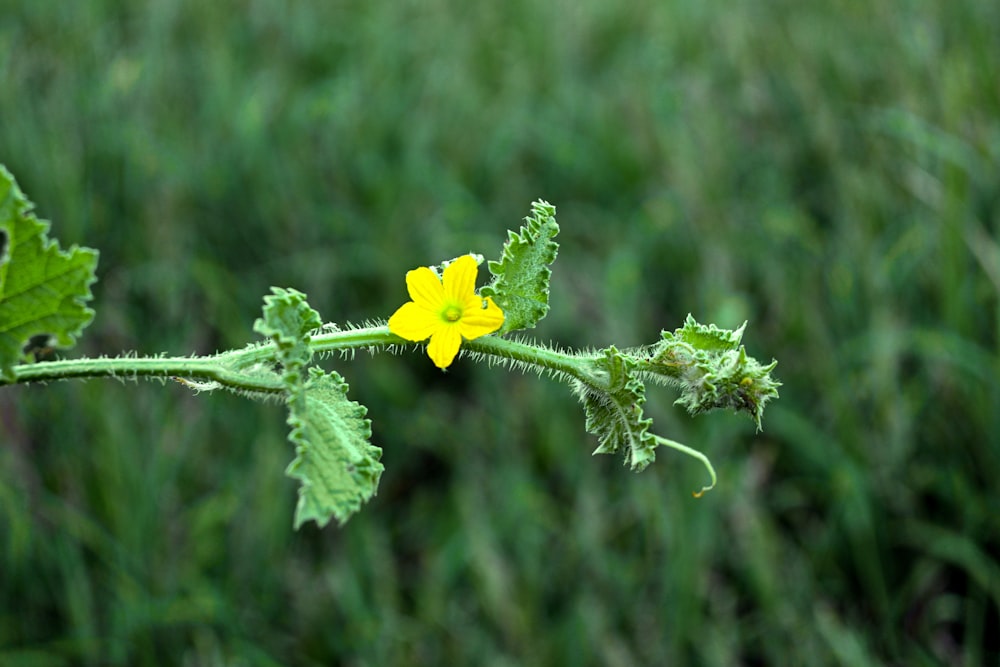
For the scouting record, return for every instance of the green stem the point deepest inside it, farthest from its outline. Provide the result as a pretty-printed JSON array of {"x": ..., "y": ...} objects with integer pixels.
[
  {"x": 576, "y": 366},
  {"x": 227, "y": 368},
  {"x": 579, "y": 367},
  {"x": 197, "y": 368}
]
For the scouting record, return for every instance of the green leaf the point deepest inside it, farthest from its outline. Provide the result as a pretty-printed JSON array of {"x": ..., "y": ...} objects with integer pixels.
[
  {"x": 43, "y": 290},
  {"x": 337, "y": 465},
  {"x": 615, "y": 416},
  {"x": 521, "y": 277},
  {"x": 709, "y": 338},
  {"x": 288, "y": 320}
]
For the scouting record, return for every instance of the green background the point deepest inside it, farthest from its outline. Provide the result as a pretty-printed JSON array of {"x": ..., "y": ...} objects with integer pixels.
[{"x": 828, "y": 171}]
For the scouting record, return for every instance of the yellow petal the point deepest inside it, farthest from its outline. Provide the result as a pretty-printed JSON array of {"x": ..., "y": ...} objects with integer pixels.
[
  {"x": 414, "y": 322},
  {"x": 425, "y": 288},
  {"x": 478, "y": 321},
  {"x": 444, "y": 346},
  {"x": 460, "y": 278}
]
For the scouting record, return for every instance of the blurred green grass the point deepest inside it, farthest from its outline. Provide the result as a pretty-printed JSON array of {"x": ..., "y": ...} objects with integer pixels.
[{"x": 826, "y": 170}]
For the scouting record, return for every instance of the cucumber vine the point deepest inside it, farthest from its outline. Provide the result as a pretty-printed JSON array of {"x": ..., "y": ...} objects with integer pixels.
[{"x": 44, "y": 293}]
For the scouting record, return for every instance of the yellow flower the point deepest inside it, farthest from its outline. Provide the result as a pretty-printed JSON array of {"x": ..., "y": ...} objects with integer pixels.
[{"x": 445, "y": 310}]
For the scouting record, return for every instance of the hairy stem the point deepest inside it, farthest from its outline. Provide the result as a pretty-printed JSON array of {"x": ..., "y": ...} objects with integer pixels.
[
  {"x": 194, "y": 368},
  {"x": 228, "y": 368}
]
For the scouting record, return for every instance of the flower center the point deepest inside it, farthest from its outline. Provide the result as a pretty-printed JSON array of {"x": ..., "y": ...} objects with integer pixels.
[{"x": 452, "y": 313}]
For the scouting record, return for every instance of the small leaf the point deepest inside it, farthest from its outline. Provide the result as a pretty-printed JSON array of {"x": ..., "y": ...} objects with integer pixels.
[
  {"x": 337, "y": 465},
  {"x": 43, "y": 290},
  {"x": 288, "y": 320},
  {"x": 615, "y": 416},
  {"x": 521, "y": 277},
  {"x": 709, "y": 338}
]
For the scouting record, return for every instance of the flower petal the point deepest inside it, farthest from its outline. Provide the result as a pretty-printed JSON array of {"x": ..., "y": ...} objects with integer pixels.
[
  {"x": 478, "y": 321},
  {"x": 425, "y": 288},
  {"x": 414, "y": 322},
  {"x": 460, "y": 278},
  {"x": 444, "y": 346}
]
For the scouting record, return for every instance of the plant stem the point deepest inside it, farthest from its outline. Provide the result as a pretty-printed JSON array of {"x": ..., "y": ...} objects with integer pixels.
[
  {"x": 198, "y": 368},
  {"x": 229, "y": 368},
  {"x": 576, "y": 366}
]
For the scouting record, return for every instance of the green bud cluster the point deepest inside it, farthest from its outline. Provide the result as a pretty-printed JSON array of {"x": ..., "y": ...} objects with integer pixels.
[{"x": 712, "y": 370}]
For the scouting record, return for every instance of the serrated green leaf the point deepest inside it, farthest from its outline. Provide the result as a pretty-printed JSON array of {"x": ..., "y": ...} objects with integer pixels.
[
  {"x": 43, "y": 290},
  {"x": 615, "y": 416},
  {"x": 521, "y": 277},
  {"x": 709, "y": 338},
  {"x": 338, "y": 467},
  {"x": 289, "y": 320}
]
